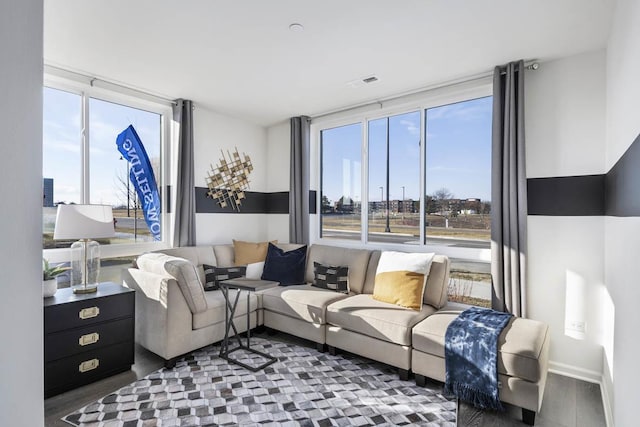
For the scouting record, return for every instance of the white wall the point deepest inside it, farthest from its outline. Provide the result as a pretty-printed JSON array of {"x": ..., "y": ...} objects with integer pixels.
[
  {"x": 213, "y": 134},
  {"x": 622, "y": 240},
  {"x": 565, "y": 133},
  {"x": 21, "y": 361},
  {"x": 279, "y": 158}
]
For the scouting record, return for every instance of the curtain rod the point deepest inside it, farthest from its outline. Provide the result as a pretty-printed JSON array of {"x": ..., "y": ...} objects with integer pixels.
[
  {"x": 79, "y": 76},
  {"x": 528, "y": 65}
]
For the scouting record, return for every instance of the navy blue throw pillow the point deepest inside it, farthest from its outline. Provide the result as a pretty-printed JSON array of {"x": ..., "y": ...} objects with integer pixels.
[{"x": 285, "y": 267}]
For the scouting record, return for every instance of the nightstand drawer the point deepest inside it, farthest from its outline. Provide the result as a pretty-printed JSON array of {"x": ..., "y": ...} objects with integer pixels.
[
  {"x": 82, "y": 313},
  {"x": 74, "y": 371},
  {"x": 66, "y": 343}
]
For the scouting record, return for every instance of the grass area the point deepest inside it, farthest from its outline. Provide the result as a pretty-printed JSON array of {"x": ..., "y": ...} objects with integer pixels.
[
  {"x": 470, "y": 275},
  {"x": 463, "y": 227},
  {"x": 470, "y": 301}
]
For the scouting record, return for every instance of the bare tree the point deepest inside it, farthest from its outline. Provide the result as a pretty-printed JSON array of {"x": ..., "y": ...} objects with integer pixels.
[{"x": 442, "y": 198}]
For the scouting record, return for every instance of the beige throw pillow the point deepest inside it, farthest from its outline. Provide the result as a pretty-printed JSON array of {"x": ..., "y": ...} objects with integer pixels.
[
  {"x": 401, "y": 277},
  {"x": 249, "y": 252}
]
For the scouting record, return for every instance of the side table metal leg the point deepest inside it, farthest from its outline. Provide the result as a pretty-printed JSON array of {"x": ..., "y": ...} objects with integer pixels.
[
  {"x": 248, "y": 321},
  {"x": 230, "y": 310}
]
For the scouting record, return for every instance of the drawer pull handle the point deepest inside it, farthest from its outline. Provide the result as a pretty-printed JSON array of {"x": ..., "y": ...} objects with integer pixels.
[
  {"x": 88, "y": 365},
  {"x": 89, "y": 339},
  {"x": 88, "y": 313}
]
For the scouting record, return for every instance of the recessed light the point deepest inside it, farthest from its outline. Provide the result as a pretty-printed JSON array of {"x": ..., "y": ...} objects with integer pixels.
[{"x": 296, "y": 28}]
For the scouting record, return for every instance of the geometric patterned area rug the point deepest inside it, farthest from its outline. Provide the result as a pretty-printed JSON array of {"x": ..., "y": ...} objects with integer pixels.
[{"x": 303, "y": 388}]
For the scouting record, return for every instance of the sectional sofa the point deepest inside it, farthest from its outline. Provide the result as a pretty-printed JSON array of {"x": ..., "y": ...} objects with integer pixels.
[{"x": 174, "y": 316}]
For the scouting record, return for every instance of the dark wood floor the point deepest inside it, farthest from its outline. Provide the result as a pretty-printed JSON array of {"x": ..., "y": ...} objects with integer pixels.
[{"x": 567, "y": 402}]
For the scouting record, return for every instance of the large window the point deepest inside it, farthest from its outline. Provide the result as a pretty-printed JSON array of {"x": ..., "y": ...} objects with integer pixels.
[
  {"x": 86, "y": 166},
  {"x": 341, "y": 199},
  {"x": 394, "y": 179},
  {"x": 431, "y": 196}
]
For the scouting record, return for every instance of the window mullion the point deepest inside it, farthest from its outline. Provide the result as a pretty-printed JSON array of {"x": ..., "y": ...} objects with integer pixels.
[
  {"x": 423, "y": 176},
  {"x": 85, "y": 190},
  {"x": 364, "y": 199}
]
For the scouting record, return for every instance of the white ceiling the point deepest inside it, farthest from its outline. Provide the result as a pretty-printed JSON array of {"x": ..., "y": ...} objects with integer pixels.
[{"x": 238, "y": 57}]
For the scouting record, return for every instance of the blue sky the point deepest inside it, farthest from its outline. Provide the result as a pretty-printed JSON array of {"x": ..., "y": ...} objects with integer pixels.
[
  {"x": 62, "y": 145},
  {"x": 458, "y": 154}
]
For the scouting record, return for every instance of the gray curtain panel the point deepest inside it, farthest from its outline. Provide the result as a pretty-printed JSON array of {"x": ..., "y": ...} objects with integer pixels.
[
  {"x": 509, "y": 191},
  {"x": 185, "y": 209},
  {"x": 299, "y": 181}
]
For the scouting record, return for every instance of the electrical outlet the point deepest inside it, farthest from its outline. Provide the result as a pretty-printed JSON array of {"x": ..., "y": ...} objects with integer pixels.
[{"x": 576, "y": 325}]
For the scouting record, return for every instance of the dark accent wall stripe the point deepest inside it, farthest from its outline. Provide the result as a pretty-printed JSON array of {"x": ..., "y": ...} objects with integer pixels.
[
  {"x": 254, "y": 203},
  {"x": 616, "y": 193},
  {"x": 622, "y": 184},
  {"x": 566, "y": 196}
]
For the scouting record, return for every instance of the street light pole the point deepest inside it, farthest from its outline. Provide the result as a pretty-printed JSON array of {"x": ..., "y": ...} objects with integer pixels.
[
  {"x": 126, "y": 176},
  {"x": 403, "y": 202},
  {"x": 387, "y": 229}
]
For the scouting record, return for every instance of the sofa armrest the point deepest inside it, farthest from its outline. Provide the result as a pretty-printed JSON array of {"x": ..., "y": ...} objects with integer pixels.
[
  {"x": 162, "y": 313},
  {"x": 184, "y": 273}
]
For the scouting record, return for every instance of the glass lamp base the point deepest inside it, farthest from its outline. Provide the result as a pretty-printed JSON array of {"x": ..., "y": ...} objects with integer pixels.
[
  {"x": 85, "y": 289},
  {"x": 85, "y": 266}
]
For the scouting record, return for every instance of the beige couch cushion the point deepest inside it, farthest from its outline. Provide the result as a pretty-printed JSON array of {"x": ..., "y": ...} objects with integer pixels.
[
  {"x": 519, "y": 345},
  {"x": 356, "y": 259},
  {"x": 301, "y": 302},
  {"x": 377, "y": 319},
  {"x": 215, "y": 311},
  {"x": 183, "y": 271},
  {"x": 435, "y": 293}
]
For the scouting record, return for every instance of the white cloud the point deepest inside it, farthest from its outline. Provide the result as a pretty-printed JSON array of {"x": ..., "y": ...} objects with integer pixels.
[
  {"x": 464, "y": 111},
  {"x": 412, "y": 127},
  {"x": 61, "y": 145}
]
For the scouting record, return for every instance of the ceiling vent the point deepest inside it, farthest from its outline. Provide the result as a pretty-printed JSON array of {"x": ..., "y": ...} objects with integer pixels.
[{"x": 363, "y": 81}]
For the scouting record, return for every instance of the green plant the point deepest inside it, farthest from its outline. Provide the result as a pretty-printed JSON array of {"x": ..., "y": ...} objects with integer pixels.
[{"x": 49, "y": 272}]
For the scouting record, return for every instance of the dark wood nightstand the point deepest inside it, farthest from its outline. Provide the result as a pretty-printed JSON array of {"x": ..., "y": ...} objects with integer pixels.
[{"x": 87, "y": 337}]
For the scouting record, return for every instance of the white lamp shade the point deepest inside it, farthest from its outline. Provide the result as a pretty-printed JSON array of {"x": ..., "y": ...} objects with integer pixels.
[{"x": 84, "y": 222}]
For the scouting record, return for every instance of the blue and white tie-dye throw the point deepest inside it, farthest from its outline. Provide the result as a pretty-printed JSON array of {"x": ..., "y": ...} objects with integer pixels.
[{"x": 471, "y": 356}]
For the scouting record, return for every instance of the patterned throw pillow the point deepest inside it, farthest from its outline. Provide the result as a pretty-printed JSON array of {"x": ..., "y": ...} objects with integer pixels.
[
  {"x": 214, "y": 275},
  {"x": 331, "y": 277}
]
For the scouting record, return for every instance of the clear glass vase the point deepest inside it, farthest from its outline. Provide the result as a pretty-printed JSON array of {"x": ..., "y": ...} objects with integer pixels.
[{"x": 85, "y": 266}]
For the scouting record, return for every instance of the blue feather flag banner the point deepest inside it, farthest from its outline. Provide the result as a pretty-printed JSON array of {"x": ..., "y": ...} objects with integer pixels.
[{"x": 142, "y": 177}]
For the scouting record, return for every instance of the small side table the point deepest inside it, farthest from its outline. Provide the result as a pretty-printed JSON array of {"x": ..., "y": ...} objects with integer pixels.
[{"x": 249, "y": 285}]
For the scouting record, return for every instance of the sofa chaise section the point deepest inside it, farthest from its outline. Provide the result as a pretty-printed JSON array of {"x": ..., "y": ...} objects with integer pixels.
[
  {"x": 174, "y": 315},
  {"x": 523, "y": 357}
]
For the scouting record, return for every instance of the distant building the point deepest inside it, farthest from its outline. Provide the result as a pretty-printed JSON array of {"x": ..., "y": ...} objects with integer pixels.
[{"x": 47, "y": 189}]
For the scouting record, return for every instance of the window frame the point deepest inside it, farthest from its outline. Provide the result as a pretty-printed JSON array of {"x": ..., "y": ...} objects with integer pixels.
[
  {"x": 86, "y": 91},
  {"x": 421, "y": 102}
]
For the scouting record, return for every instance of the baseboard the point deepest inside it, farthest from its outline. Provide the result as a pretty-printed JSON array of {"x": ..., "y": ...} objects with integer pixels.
[
  {"x": 575, "y": 372},
  {"x": 588, "y": 376}
]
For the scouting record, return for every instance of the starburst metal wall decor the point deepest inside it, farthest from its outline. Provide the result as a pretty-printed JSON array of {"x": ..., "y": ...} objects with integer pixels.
[{"x": 228, "y": 181}]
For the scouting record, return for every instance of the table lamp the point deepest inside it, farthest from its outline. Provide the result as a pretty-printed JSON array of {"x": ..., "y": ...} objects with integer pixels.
[{"x": 84, "y": 222}]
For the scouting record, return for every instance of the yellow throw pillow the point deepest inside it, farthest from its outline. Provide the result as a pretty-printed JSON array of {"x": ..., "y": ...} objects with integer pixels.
[
  {"x": 249, "y": 252},
  {"x": 401, "y": 278}
]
